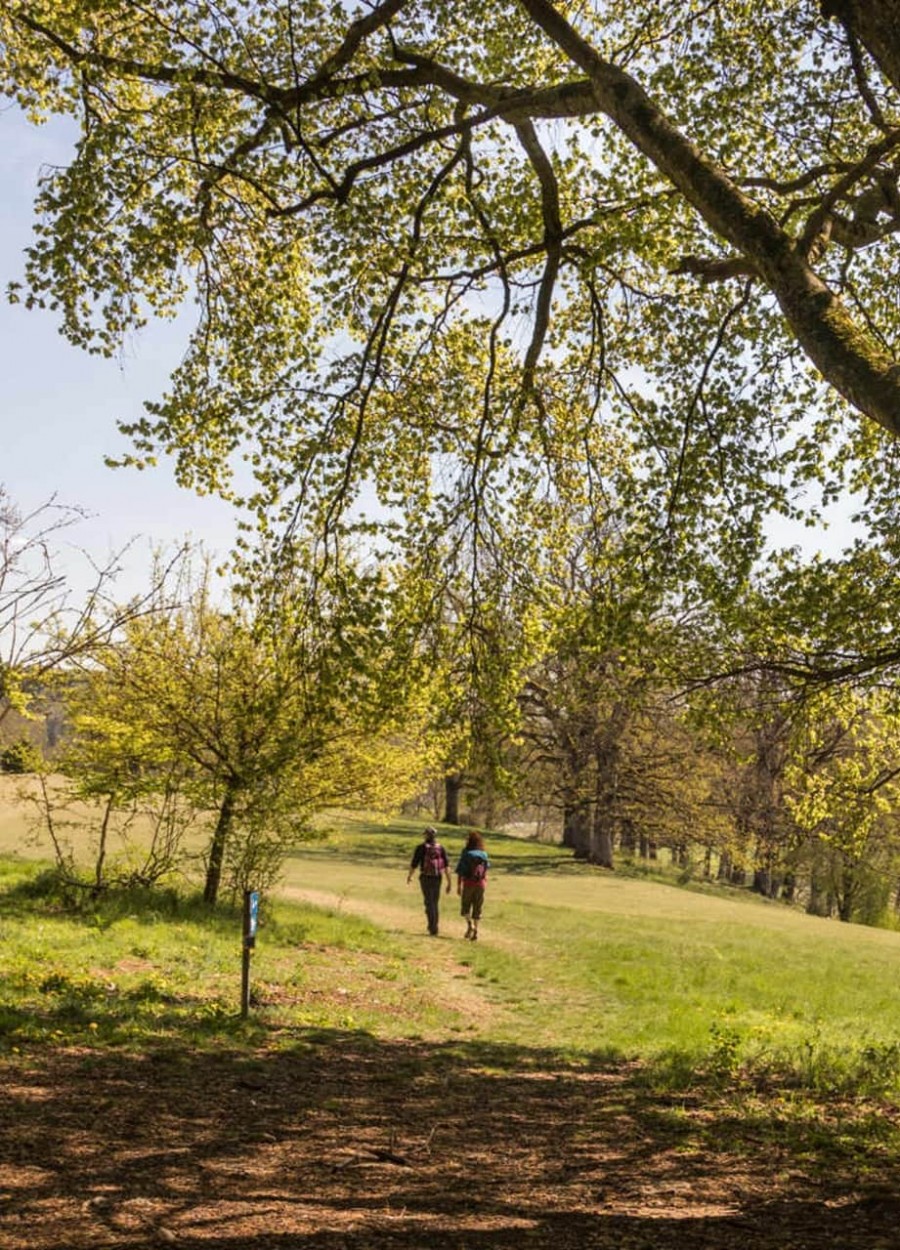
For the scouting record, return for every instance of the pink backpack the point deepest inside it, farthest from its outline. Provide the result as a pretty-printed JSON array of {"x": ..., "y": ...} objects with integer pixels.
[{"x": 433, "y": 863}]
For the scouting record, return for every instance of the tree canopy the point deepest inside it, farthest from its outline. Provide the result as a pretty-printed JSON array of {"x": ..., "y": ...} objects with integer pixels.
[
  {"x": 233, "y": 717},
  {"x": 435, "y": 247}
]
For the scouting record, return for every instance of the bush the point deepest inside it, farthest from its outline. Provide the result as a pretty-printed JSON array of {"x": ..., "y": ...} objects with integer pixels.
[{"x": 20, "y": 757}]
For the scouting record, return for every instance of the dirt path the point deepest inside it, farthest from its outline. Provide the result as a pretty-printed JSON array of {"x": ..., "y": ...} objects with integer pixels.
[
  {"x": 402, "y": 919},
  {"x": 451, "y": 979},
  {"x": 342, "y": 1143}
]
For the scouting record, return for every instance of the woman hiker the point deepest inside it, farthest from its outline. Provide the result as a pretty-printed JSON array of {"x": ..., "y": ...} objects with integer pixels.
[
  {"x": 471, "y": 874},
  {"x": 431, "y": 860}
]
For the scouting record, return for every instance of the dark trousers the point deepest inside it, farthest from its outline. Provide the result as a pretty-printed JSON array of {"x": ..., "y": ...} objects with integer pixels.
[{"x": 431, "y": 892}]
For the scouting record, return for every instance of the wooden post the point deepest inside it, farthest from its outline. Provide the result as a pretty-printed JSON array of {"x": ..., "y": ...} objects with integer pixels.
[{"x": 251, "y": 905}]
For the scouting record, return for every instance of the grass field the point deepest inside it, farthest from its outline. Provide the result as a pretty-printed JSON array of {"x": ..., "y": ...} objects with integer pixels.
[
  {"x": 624, "y": 1062},
  {"x": 584, "y": 961},
  {"x": 572, "y": 959}
]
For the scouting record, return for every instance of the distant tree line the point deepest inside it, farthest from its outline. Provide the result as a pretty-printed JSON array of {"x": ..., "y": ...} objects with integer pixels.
[{"x": 207, "y": 725}]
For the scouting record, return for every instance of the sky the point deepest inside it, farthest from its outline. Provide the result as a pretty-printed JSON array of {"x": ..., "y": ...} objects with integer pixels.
[{"x": 60, "y": 405}]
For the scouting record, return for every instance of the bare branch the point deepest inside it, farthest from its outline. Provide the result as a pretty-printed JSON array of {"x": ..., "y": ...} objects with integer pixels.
[{"x": 553, "y": 235}]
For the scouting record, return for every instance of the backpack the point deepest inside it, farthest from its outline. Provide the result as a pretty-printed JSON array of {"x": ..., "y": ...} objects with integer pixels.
[
  {"x": 476, "y": 868},
  {"x": 433, "y": 860}
]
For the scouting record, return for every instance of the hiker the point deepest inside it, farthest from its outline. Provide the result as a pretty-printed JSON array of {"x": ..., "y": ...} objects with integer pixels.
[
  {"x": 471, "y": 874},
  {"x": 431, "y": 860}
]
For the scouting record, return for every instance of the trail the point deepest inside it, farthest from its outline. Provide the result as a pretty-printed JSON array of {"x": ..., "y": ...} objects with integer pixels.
[
  {"x": 333, "y": 1138},
  {"x": 347, "y": 1143},
  {"x": 408, "y": 919},
  {"x": 453, "y": 981},
  {"x": 396, "y": 918}
]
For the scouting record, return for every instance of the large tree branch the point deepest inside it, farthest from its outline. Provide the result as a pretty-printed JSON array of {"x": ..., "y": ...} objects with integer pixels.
[
  {"x": 553, "y": 235},
  {"x": 875, "y": 24},
  {"x": 379, "y": 18},
  {"x": 862, "y": 171},
  {"x": 567, "y": 99},
  {"x": 846, "y": 355},
  {"x": 147, "y": 72},
  {"x": 849, "y": 357},
  {"x": 716, "y": 269},
  {"x": 570, "y": 99}
]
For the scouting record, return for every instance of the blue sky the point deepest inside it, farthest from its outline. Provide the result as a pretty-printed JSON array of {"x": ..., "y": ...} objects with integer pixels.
[{"x": 60, "y": 405}]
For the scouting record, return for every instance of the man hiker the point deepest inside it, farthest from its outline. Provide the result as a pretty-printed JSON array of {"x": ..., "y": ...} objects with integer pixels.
[{"x": 431, "y": 860}]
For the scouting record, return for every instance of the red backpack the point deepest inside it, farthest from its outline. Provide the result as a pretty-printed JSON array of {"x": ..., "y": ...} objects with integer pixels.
[
  {"x": 434, "y": 859},
  {"x": 474, "y": 868}
]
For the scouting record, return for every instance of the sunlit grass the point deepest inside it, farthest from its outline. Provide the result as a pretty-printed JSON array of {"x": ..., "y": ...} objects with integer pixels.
[
  {"x": 571, "y": 960},
  {"x": 139, "y": 970},
  {"x": 587, "y": 962}
]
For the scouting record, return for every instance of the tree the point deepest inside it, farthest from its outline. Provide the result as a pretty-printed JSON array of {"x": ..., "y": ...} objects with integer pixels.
[
  {"x": 20, "y": 757},
  {"x": 601, "y": 716},
  {"x": 805, "y": 705},
  {"x": 764, "y": 832},
  {"x": 249, "y": 714},
  {"x": 462, "y": 625},
  {"x": 606, "y": 734},
  {"x": 33, "y": 597},
  {"x": 680, "y": 218},
  {"x": 843, "y": 791}
]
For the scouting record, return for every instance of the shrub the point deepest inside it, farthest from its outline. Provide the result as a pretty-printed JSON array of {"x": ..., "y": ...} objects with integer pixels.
[{"x": 20, "y": 757}]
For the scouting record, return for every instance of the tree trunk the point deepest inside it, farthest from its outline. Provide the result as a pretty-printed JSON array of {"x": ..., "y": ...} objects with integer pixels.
[
  {"x": 453, "y": 784},
  {"x": 649, "y": 849},
  {"x": 602, "y": 840},
  {"x": 819, "y": 903},
  {"x": 607, "y": 811},
  {"x": 848, "y": 894},
  {"x": 627, "y": 837},
  {"x": 101, "y": 849},
  {"x": 218, "y": 844},
  {"x": 767, "y": 876},
  {"x": 605, "y": 814},
  {"x": 488, "y": 816},
  {"x": 875, "y": 24},
  {"x": 764, "y": 883},
  {"x": 577, "y": 829}
]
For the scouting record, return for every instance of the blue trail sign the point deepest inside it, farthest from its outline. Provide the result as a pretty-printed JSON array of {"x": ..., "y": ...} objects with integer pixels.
[{"x": 251, "y": 918}]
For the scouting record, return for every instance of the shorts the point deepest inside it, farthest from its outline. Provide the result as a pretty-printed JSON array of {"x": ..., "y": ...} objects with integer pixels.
[{"x": 471, "y": 901}]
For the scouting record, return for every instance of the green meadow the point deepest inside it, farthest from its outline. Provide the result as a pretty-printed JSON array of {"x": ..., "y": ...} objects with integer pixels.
[{"x": 588, "y": 965}]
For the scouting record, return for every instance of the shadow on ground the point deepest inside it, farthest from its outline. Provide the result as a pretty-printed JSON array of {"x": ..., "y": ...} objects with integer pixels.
[{"x": 336, "y": 1141}]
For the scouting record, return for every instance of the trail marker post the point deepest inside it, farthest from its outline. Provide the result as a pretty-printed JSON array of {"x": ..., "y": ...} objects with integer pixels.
[{"x": 251, "y": 915}]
